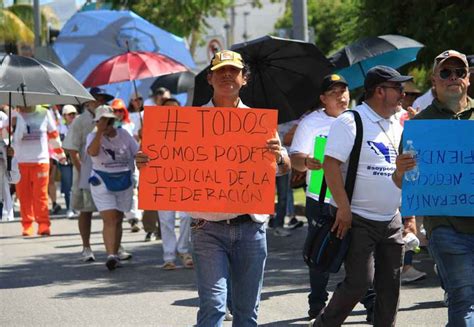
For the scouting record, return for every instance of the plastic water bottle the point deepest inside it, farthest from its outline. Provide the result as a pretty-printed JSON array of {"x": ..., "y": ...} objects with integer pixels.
[
  {"x": 412, "y": 243},
  {"x": 411, "y": 175}
]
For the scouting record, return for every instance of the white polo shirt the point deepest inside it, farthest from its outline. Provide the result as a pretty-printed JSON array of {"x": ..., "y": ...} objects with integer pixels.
[
  {"x": 375, "y": 195},
  {"x": 316, "y": 124}
]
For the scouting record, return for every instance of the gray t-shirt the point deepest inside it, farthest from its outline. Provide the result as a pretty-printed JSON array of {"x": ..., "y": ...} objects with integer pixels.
[{"x": 76, "y": 140}]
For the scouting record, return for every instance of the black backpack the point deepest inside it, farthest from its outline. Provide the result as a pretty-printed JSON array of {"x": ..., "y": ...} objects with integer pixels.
[{"x": 323, "y": 251}]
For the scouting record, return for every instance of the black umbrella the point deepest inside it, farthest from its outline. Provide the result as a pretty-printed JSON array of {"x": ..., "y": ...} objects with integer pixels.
[
  {"x": 176, "y": 83},
  {"x": 285, "y": 75},
  {"x": 27, "y": 81},
  {"x": 353, "y": 61}
]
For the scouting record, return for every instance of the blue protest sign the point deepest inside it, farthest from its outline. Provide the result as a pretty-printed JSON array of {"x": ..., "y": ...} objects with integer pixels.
[{"x": 445, "y": 156}]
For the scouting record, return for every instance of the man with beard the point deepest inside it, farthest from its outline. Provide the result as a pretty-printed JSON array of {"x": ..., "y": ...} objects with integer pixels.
[{"x": 376, "y": 246}]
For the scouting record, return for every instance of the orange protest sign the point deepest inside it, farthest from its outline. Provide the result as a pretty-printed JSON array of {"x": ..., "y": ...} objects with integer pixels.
[{"x": 208, "y": 159}]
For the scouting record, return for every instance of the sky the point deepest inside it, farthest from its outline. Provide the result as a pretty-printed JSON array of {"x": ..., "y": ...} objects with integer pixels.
[{"x": 42, "y": 2}]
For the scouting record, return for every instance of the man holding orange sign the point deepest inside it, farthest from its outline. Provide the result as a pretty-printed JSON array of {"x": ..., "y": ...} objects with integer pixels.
[{"x": 228, "y": 242}]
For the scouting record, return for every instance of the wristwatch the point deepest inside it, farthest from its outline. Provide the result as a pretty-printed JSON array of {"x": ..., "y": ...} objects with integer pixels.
[{"x": 280, "y": 161}]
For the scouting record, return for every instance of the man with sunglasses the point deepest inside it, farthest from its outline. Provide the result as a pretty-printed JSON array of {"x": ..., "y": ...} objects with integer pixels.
[{"x": 451, "y": 239}]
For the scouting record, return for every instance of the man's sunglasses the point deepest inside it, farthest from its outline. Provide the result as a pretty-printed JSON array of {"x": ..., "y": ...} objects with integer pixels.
[
  {"x": 446, "y": 73},
  {"x": 138, "y": 99},
  {"x": 399, "y": 88}
]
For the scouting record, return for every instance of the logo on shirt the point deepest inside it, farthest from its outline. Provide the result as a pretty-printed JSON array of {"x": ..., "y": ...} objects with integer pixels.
[
  {"x": 381, "y": 149},
  {"x": 110, "y": 152}
]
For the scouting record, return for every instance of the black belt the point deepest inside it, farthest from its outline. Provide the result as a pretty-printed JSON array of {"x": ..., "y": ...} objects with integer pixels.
[{"x": 238, "y": 220}]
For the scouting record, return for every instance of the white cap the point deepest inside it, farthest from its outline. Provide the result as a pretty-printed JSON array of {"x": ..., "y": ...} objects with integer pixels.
[
  {"x": 68, "y": 109},
  {"x": 104, "y": 111}
]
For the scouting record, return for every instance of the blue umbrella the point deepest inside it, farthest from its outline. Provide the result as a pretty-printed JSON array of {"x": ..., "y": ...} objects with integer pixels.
[
  {"x": 354, "y": 60},
  {"x": 88, "y": 38}
]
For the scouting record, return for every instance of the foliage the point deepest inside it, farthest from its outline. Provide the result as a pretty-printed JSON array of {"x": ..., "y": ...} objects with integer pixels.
[
  {"x": 25, "y": 13},
  {"x": 12, "y": 29},
  {"x": 327, "y": 18},
  {"x": 186, "y": 18},
  {"x": 438, "y": 24}
]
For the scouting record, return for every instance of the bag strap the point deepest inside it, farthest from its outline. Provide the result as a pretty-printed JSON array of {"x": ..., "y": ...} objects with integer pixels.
[
  {"x": 354, "y": 157},
  {"x": 353, "y": 162}
]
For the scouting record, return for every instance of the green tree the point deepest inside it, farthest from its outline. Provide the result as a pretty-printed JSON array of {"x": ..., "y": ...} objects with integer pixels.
[
  {"x": 327, "y": 18},
  {"x": 438, "y": 24},
  {"x": 186, "y": 18},
  {"x": 26, "y": 14},
  {"x": 13, "y": 29}
]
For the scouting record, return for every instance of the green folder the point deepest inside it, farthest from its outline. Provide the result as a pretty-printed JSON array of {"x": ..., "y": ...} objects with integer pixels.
[{"x": 316, "y": 178}]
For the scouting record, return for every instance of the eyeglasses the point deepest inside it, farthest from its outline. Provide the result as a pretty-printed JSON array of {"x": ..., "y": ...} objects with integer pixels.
[
  {"x": 71, "y": 114},
  {"x": 399, "y": 88},
  {"x": 138, "y": 99},
  {"x": 446, "y": 73}
]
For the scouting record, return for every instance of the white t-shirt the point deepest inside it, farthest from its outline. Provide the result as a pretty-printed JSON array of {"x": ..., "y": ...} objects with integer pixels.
[
  {"x": 116, "y": 153},
  {"x": 423, "y": 101},
  {"x": 375, "y": 195},
  {"x": 316, "y": 124},
  {"x": 136, "y": 118},
  {"x": 31, "y": 136}
]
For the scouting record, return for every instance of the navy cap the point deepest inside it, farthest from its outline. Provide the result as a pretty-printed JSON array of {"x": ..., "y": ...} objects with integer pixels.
[
  {"x": 330, "y": 80},
  {"x": 379, "y": 74},
  {"x": 98, "y": 91}
]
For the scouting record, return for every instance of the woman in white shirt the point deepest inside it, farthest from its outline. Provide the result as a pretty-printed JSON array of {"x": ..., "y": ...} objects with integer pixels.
[{"x": 112, "y": 151}]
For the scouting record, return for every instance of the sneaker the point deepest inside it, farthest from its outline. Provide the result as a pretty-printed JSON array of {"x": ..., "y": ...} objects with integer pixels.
[
  {"x": 134, "y": 225},
  {"x": 148, "y": 237},
  {"x": 412, "y": 275},
  {"x": 123, "y": 255},
  {"x": 87, "y": 255},
  {"x": 56, "y": 208},
  {"x": 187, "y": 260},
  {"x": 280, "y": 231},
  {"x": 44, "y": 232},
  {"x": 70, "y": 214},
  {"x": 112, "y": 262},
  {"x": 170, "y": 265},
  {"x": 295, "y": 223},
  {"x": 228, "y": 316},
  {"x": 28, "y": 231}
]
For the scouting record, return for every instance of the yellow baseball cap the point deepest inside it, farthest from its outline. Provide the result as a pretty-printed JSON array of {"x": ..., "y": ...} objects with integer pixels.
[{"x": 226, "y": 58}]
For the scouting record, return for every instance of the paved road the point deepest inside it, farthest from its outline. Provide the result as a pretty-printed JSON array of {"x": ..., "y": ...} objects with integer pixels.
[{"x": 43, "y": 284}]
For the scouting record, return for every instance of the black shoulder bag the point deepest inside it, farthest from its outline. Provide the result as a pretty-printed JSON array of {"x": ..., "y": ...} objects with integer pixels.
[{"x": 323, "y": 251}]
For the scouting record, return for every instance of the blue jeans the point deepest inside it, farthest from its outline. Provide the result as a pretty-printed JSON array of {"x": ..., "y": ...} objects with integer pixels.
[
  {"x": 221, "y": 251},
  {"x": 290, "y": 200},
  {"x": 318, "y": 280},
  {"x": 453, "y": 253},
  {"x": 66, "y": 183}
]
